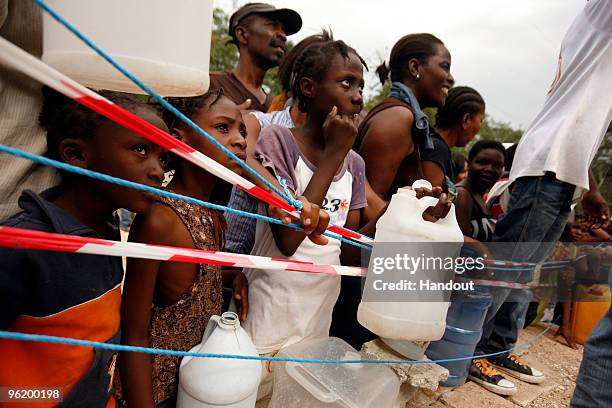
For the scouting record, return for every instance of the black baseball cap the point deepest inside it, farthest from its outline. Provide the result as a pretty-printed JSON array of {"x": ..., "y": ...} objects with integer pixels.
[{"x": 290, "y": 19}]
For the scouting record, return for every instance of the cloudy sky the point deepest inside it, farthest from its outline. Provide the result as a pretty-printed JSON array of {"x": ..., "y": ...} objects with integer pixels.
[{"x": 506, "y": 49}]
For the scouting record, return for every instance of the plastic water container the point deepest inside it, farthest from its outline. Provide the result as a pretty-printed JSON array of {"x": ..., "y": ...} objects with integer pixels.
[
  {"x": 166, "y": 44},
  {"x": 217, "y": 382},
  {"x": 463, "y": 331},
  {"x": 331, "y": 385},
  {"x": 403, "y": 222}
]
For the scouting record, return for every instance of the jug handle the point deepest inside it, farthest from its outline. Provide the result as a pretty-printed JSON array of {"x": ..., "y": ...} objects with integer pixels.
[
  {"x": 427, "y": 201},
  {"x": 310, "y": 383},
  {"x": 212, "y": 324},
  {"x": 450, "y": 218}
]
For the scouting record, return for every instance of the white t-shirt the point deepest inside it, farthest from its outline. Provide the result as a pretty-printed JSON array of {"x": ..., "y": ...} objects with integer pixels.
[
  {"x": 569, "y": 129},
  {"x": 281, "y": 118},
  {"x": 287, "y": 307}
]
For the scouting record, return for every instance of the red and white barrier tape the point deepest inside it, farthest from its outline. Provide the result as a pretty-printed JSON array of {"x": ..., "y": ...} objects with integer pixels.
[
  {"x": 46, "y": 241},
  {"x": 15, "y": 57}
]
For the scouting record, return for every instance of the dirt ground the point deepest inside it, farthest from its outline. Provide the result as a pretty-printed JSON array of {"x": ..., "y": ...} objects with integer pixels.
[{"x": 560, "y": 362}]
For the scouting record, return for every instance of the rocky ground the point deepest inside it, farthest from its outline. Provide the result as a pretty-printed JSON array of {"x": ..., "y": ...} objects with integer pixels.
[
  {"x": 562, "y": 365},
  {"x": 549, "y": 354}
]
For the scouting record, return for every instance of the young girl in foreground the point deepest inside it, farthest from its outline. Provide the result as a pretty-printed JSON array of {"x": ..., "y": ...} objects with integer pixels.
[{"x": 168, "y": 304}]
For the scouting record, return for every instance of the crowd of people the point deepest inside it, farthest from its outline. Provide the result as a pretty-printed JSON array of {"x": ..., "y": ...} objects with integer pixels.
[{"x": 314, "y": 139}]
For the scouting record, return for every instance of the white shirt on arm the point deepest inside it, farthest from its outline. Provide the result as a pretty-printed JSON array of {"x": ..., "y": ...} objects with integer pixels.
[{"x": 566, "y": 134}]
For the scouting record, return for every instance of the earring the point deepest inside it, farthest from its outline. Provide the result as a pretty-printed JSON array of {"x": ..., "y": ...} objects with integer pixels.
[{"x": 417, "y": 76}]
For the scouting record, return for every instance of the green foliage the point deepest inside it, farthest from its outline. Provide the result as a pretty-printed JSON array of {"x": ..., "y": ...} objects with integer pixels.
[
  {"x": 223, "y": 56},
  {"x": 500, "y": 131},
  {"x": 271, "y": 83},
  {"x": 431, "y": 115},
  {"x": 378, "y": 97}
]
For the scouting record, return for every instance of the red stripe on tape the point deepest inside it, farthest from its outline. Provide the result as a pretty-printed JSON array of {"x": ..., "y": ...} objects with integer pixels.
[
  {"x": 344, "y": 232},
  {"x": 31, "y": 239},
  {"x": 269, "y": 198}
]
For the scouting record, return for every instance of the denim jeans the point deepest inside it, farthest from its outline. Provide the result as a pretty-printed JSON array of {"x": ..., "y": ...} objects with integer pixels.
[
  {"x": 501, "y": 332},
  {"x": 537, "y": 213},
  {"x": 595, "y": 375}
]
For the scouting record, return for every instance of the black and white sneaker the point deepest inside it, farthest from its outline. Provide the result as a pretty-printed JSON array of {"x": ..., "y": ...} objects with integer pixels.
[
  {"x": 513, "y": 366},
  {"x": 484, "y": 374}
]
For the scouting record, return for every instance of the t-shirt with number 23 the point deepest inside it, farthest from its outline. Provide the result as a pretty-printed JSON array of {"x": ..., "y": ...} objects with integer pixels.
[{"x": 287, "y": 307}]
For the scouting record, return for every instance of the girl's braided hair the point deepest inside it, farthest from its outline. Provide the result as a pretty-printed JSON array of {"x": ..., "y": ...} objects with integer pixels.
[
  {"x": 460, "y": 100},
  {"x": 188, "y": 106}
]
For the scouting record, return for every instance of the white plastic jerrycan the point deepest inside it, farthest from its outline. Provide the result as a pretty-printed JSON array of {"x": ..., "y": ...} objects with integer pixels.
[
  {"x": 403, "y": 222},
  {"x": 218, "y": 382},
  {"x": 166, "y": 44}
]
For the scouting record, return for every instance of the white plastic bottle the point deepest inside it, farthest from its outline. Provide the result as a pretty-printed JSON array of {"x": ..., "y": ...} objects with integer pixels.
[
  {"x": 219, "y": 382},
  {"x": 166, "y": 44},
  {"x": 403, "y": 222}
]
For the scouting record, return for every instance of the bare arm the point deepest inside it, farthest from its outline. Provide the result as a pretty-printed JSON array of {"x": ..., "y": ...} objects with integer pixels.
[
  {"x": 339, "y": 132},
  {"x": 138, "y": 290},
  {"x": 593, "y": 203},
  {"x": 386, "y": 144},
  {"x": 350, "y": 254},
  {"x": 375, "y": 205},
  {"x": 433, "y": 173},
  {"x": 463, "y": 207}
]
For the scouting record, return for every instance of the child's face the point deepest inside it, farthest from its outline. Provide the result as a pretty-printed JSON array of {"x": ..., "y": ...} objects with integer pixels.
[
  {"x": 342, "y": 86},
  {"x": 486, "y": 168},
  {"x": 223, "y": 121},
  {"x": 118, "y": 152}
]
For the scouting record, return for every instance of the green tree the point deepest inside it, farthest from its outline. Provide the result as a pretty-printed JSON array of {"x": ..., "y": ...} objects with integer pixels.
[
  {"x": 381, "y": 93},
  {"x": 224, "y": 55}
]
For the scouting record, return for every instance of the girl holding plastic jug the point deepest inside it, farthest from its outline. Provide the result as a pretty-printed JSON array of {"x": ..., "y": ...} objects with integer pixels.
[{"x": 317, "y": 162}]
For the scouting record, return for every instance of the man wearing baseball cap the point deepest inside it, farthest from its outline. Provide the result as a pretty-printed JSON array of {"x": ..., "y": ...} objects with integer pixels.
[{"x": 260, "y": 31}]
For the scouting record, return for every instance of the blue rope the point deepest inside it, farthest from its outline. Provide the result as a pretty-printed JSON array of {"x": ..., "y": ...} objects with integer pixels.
[
  {"x": 125, "y": 183},
  {"x": 295, "y": 203},
  {"x": 148, "y": 350}
]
